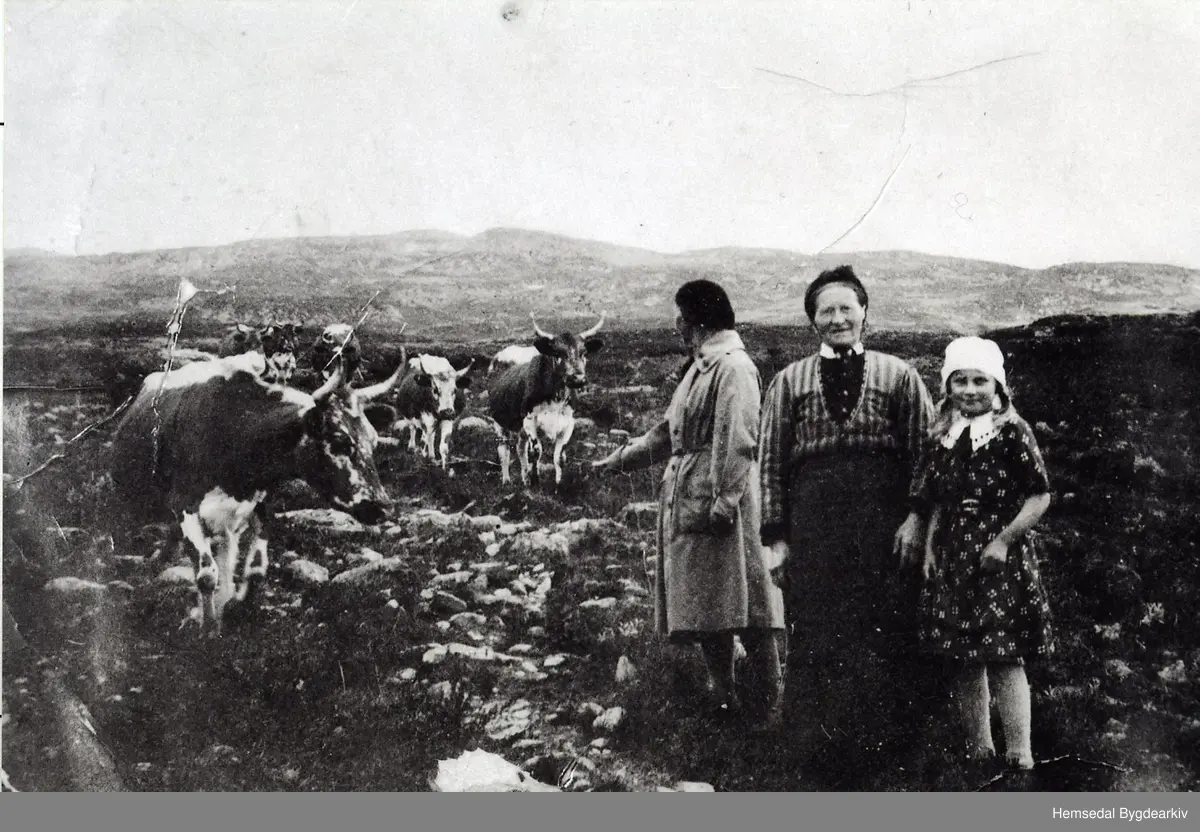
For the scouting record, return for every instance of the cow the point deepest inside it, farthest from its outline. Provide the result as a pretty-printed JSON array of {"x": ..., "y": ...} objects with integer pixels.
[
  {"x": 532, "y": 400},
  {"x": 278, "y": 344},
  {"x": 204, "y": 446},
  {"x": 276, "y": 341},
  {"x": 239, "y": 338},
  {"x": 337, "y": 344},
  {"x": 509, "y": 356},
  {"x": 431, "y": 396}
]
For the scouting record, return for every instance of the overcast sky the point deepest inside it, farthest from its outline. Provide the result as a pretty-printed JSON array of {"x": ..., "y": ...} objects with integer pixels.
[{"x": 665, "y": 125}]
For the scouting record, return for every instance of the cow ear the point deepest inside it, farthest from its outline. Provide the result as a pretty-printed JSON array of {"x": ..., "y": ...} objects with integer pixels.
[
  {"x": 381, "y": 416},
  {"x": 464, "y": 381},
  {"x": 423, "y": 380},
  {"x": 545, "y": 346},
  {"x": 594, "y": 345}
]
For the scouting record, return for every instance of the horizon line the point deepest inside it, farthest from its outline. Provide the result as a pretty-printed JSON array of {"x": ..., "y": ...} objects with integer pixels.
[{"x": 520, "y": 229}]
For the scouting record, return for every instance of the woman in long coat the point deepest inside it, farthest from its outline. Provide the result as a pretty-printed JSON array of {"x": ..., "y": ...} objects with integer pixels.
[
  {"x": 711, "y": 581},
  {"x": 843, "y": 434}
]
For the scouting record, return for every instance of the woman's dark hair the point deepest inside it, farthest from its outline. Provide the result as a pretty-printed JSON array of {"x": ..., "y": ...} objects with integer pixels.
[
  {"x": 842, "y": 274},
  {"x": 704, "y": 303}
]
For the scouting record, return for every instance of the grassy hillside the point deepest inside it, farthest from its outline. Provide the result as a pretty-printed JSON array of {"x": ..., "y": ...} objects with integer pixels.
[{"x": 485, "y": 286}]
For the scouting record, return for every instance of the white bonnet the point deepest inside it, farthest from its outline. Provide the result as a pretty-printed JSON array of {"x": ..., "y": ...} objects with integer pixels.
[{"x": 972, "y": 353}]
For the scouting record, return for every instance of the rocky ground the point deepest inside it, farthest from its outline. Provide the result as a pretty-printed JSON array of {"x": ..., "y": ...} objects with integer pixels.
[{"x": 496, "y": 620}]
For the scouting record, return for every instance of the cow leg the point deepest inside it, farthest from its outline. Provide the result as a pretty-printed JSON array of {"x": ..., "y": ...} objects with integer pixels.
[
  {"x": 524, "y": 445},
  {"x": 444, "y": 445},
  {"x": 227, "y": 586},
  {"x": 505, "y": 461},
  {"x": 428, "y": 424},
  {"x": 257, "y": 563},
  {"x": 411, "y": 427},
  {"x": 205, "y": 568},
  {"x": 564, "y": 437}
]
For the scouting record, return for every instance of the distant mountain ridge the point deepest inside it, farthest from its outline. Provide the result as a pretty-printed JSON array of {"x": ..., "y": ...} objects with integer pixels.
[{"x": 487, "y": 285}]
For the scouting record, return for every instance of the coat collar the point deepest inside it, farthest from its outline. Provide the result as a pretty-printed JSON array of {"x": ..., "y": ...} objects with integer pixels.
[
  {"x": 714, "y": 347},
  {"x": 827, "y": 351}
]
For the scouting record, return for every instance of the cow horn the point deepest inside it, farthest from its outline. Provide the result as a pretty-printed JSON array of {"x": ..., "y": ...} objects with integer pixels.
[
  {"x": 466, "y": 369},
  {"x": 541, "y": 333},
  {"x": 334, "y": 381},
  {"x": 590, "y": 332},
  {"x": 365, "y": 394}
]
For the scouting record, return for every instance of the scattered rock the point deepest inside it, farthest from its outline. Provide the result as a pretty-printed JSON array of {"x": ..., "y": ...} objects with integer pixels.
[
  {"x": 120, "y": 586},
  {"x": 599, "y": 603},
  {"x": 69, "y": 585},
  {"x": 483, "y": 771},
  {"x": 1115, "y": 731},
  {"x": 693, "y": 786},
  {"x": 435, "y": 654},
  {"x": 328, "y": 520},
  {"x": 588, "y": 712},
  {"x": 442, "y": 690},
  {"x": 467, "y": 620},
  {"x": 641, "y": 514},
  {"x": 365, "y": 555},
  {"x": 1117, "y": 668},
  {"x": 610, "y": 720},
  {"x": 448, "y": 603},
  {"x": 486, "y": 522},
  {"x": 307, "y": 573},
  {"x": 359, "y": 574},
  {"x": 599, "y": 743},
  {"x": 626, "y": 672},
  {"x": 511, "y": 722},
  {"x": 554, "y": 661},
  {"x": 1174, "y": 674}
]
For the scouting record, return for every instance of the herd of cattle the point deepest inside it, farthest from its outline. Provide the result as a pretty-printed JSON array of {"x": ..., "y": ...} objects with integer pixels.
[{"x": 203, "y": 446}]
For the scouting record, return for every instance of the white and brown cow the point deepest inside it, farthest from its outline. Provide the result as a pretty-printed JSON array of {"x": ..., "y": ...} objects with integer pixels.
[
  {"x": 274, "y": 340},
  {"x": 533, "y": 400},
  {"x": 204, "y": 447},
  {"x": 337, "y": 345},
  {"x": 430, "y": 397}
]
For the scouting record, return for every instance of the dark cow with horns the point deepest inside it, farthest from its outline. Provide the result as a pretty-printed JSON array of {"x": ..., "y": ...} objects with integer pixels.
[
  {"x": 532, "y": 400},
  {"x": 205, "y": 445}
]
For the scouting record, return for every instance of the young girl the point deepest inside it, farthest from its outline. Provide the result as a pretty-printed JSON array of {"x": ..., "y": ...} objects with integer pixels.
[{"x": 983, "y": 488}]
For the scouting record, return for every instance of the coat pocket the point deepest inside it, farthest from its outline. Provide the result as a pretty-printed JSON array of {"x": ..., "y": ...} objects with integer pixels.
[{"x": 693, "y": 502}]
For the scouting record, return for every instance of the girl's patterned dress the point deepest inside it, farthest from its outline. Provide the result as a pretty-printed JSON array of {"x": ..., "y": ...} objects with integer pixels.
[{"x": 967, "y": 613}]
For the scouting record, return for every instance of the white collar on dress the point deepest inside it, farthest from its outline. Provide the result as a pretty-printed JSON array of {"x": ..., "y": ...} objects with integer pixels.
[
  {"x": 828, "y": 352},
  {"x": 982, "y": 428}
]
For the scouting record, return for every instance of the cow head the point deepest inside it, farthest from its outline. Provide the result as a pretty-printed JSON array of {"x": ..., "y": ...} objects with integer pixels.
[
  {"x": 443, "y": 380},
  {"x": 279, "y": 349},
  {"x": 337, "y": 344},
  {"x": 240, "y": 338},
  {"x": 341, "y": 432},
  {"x": 569, "y": 351}
]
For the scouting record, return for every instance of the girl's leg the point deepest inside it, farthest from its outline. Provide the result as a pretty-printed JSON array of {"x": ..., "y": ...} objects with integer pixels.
[
  {"x": 1013, "y": 701},
  {"x": 974, "y": 706},
  {"x": 718, "y": 657}
]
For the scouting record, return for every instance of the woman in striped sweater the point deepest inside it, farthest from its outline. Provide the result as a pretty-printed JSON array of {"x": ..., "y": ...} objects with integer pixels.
[{"x": 843, "y": 435}]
